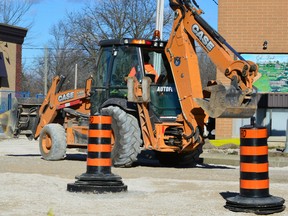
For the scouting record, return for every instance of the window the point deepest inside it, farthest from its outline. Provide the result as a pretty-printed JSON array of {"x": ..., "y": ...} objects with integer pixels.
[
  {"x": 124, "y": 61},
  {"x": 101, "y": 72},
  {"x": 3, "y": 71}
]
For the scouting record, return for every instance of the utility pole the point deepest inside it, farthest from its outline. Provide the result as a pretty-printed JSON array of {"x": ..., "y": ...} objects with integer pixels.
[
  {"x": 76, "y": 76},
  {"x": 159, "y": 27},
  {"x": 45, "y": 69},
  {"x": 160, "y": 17}
]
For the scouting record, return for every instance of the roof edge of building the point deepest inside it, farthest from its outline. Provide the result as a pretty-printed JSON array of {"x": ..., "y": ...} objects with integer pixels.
[{"x": 12, "y": 34}]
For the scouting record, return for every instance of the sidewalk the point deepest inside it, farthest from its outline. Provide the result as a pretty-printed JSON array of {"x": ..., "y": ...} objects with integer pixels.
[{"x": 229, "y": 154}]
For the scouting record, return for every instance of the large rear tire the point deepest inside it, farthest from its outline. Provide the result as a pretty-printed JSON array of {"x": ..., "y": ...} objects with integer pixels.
[
  {"x": 52, "y": 142},
  {"x": 127, "y": 137}
]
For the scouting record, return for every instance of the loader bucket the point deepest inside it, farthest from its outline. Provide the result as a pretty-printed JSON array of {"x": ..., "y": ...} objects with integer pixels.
[
  {"x": 8, "y": 121},
  {"x": 228, "y": 102}
]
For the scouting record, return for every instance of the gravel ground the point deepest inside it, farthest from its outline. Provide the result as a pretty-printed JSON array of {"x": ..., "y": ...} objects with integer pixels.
[{"x": 32, "y": 186}]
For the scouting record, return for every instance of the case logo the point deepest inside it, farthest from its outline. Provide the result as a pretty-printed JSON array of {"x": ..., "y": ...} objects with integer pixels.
[
  {"x": 202, "y": 37},
  {"x": 66, "y": 96}
]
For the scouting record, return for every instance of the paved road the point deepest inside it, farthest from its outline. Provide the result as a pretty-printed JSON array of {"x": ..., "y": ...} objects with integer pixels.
[{"x": 32, "y": 186}]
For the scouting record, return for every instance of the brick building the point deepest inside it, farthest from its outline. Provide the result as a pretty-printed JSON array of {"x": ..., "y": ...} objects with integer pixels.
[
  {"x": 258, "y": 28},
  {"x": 11, "y": 40}
]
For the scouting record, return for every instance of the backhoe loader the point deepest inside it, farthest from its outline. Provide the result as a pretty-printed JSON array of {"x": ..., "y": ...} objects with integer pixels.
[
  {"x": 169, "y": 115},
  {"x": 166, "y": 114},
  {"x": 60, "y": 121}
]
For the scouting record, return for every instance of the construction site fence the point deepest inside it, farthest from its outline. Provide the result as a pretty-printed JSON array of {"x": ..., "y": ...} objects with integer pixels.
[{"x": 7, "y": 98}]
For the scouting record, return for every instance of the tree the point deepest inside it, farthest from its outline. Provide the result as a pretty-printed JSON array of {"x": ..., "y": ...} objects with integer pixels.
[
  {"x": 13, "y": 12},
  {"x": 63, "y": 57},
  {"x": 75, "y": 38},
  {"x": 112, "y": 19},
  {"x": 32, "y": 83}
]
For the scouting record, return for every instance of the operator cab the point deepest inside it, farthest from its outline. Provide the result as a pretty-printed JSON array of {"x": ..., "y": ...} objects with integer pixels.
[{"x": 119, "y": 59}]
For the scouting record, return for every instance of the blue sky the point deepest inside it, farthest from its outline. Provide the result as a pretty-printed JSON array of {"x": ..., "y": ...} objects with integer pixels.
[{"x": 46, "y": 13}]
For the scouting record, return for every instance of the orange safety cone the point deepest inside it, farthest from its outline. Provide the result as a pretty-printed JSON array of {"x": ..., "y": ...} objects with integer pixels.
[
  {"x": 254, "y": 178},
  {"x": 98, "y": 177}
]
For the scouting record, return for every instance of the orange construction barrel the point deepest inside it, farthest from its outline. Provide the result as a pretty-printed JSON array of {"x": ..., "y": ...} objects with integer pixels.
[
  {"x": 254, "y": 167},
  {"x": 98, "y": 177},
  {"x": 254, "y": 175}
]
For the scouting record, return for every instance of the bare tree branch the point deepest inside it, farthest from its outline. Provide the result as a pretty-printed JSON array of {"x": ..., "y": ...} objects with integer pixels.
[
  {"x": 77, "y": 36},
  {"x": 13, "y": 12}
]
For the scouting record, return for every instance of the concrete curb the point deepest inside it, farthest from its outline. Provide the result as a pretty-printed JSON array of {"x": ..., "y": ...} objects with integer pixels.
[
  {"x": 228, "y": 154},
  {"x": 276, "y": 159}
]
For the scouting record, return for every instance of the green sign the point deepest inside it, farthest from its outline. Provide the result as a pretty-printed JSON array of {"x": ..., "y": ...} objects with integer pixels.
[{"x": 273, "y": 69}]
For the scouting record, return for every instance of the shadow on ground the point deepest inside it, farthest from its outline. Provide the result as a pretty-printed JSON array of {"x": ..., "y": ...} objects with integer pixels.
[
  {"x": 23, "y": 155},
  {"x": 77, "y": 157},
  {"x": 145, "y": 158},
  {"x": 149, "y": 158}
]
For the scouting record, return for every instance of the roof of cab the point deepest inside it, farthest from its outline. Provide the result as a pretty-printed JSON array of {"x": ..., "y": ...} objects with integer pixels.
[{"x": 132, "y": 41}]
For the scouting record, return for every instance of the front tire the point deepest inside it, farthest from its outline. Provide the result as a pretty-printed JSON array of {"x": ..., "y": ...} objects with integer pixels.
[
  {"x": 52, "y": 142},
  {"x": 127, "y": 137}
]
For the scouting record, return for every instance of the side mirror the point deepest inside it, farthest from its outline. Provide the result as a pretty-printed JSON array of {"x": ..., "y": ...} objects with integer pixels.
[
  {"x": 138, "y": 93},
  {"x": 146, "y": 82}
]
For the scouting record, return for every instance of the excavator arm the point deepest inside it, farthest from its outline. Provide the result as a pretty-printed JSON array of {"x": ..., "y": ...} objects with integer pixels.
[{"x": 237, "y": 101}]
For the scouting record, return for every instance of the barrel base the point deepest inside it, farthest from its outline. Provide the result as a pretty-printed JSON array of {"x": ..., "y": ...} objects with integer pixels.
[
  {"x": 97, "y": 183},
  {"x": 96, "y": 187},
  {"x": 260, "y": 206},
  {"x": 98, "y": 176}
]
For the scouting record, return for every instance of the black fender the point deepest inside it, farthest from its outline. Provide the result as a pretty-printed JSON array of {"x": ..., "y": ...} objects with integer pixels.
[{"x": 122, "y": 103}]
